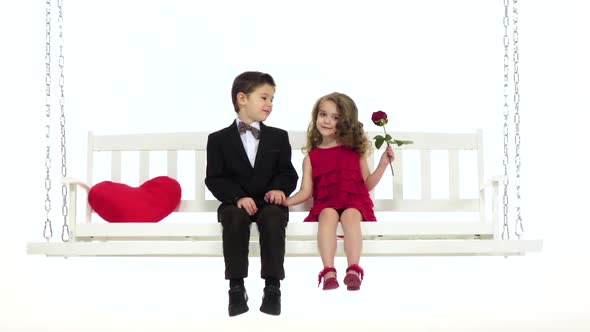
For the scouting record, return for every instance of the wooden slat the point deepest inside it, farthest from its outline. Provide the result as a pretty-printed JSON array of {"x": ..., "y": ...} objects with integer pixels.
[
  {"x": 116, "y": 166},
  {"x": 172, "y": 164},
  {"x": 453, "y": 174},
  {"x": 434, "y": 141},
  {"x": 151, "y": 142},
  {"x": 426, "y": 173},
  {"x": 200, "y": 170},
  {"x": 406, "y": 205},
  {"x": 144, "y": 166},
  {"x": 480, "y": 177},
  {"x": 426, "y": 205},
  {"x": 198, "y": 141},
  {"x": 398, "y": 168},
  {"x": 295, "y": 230},
  {"x": 293, "y": 248}
]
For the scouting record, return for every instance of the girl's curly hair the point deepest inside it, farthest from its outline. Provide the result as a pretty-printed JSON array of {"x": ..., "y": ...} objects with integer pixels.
[{"x": 349, "y": 129}]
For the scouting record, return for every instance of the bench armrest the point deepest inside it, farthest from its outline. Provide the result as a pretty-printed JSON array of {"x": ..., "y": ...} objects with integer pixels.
[
  {"x": 491, "y": 182},
  {"x": 74, "y": 181}
]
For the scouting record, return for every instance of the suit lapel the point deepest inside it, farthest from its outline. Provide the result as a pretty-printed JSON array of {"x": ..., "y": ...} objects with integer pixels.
[
  {"x": 236, "y": 143},
  {"x": 262, "y": 142}
]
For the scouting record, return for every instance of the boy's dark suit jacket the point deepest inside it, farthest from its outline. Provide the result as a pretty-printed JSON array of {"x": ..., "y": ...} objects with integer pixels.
[{"x": 230, "y": 176}]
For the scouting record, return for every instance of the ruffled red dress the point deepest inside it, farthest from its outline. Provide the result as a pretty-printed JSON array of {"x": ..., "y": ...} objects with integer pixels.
[{"x": 338, "y": 182}]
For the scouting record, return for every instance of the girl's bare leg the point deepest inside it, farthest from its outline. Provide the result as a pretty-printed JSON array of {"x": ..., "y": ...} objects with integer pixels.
[
  {"x": 328, "y": 222},
  {"x": 353, "y": 241}
]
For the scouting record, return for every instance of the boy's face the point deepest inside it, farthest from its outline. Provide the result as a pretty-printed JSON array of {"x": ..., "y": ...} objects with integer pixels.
[
  {"x": 327, "y": 118},
  {"x": 257, "y": 105}
]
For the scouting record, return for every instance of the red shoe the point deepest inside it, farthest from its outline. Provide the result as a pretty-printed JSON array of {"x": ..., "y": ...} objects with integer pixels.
[
  {"x": 354, "y": 277},
  {"x": 329, "y": 283}
]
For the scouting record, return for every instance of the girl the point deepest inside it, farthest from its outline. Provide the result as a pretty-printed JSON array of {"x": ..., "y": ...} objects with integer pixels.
[{"x": 336, "y": 173}]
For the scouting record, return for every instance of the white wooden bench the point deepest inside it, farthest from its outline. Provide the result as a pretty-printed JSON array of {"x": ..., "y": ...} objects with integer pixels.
[{"x": 428, "y": 223}]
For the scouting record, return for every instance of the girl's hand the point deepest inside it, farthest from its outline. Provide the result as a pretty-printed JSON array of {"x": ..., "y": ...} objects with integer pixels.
[
  {"x": 387, "y": 157},
  {"x": 275, "y": 197}
]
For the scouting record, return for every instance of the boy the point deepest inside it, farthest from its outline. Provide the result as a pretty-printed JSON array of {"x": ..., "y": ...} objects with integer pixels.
[{"x": 249, "y": 171}]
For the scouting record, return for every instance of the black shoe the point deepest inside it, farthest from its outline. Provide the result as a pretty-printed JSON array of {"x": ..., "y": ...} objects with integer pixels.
[
  {"x": 271, "y": 301},
  {"x": 238, "y": 300}
]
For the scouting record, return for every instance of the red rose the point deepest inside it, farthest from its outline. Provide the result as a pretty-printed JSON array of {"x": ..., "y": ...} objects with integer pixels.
[{"x": 379, "y": 118}]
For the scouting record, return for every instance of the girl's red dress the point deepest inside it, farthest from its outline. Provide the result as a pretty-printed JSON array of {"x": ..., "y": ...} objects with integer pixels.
[{"x": 338, "y": 182}]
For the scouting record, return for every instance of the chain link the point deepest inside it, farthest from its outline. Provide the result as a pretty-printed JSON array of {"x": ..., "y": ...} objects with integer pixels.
[
  {"x": 506, "y": 108},
  {"x": 47, "y": 229},
  {"x": 519, "y": 227},
  {"x": 65, "y": 233}
]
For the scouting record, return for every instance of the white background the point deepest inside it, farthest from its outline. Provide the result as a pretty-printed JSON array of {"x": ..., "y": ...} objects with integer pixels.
[{"x": 151, "y": 66}]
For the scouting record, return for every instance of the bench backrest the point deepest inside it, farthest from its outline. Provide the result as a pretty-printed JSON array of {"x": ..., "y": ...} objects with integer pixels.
[{"x": 434, "y": 158}]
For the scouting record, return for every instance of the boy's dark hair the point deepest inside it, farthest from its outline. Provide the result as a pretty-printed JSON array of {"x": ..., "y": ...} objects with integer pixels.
[{"x": 246, "y": 82}]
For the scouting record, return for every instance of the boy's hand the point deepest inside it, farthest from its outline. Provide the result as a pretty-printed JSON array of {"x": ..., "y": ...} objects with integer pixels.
[
  {"x": 248, "y": 204},
  {"x": 387, "y": 157},
  {"x": 275, "y": 197}
]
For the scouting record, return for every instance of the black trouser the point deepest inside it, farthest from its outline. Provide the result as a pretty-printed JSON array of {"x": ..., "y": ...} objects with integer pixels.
[{"x": 272, "y": 222}]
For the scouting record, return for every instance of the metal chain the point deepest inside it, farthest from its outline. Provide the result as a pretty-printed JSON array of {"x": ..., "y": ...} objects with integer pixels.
[
  {"x": 519, "y": 228},
  {"x": 47, "y": 229},
  {"x": 505, "y": 229},
  {"x": 65, "y": 232}
]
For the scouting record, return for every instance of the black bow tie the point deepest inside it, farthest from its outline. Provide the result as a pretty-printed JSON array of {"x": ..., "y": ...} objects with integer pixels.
[{"x": 242, "y": 127}]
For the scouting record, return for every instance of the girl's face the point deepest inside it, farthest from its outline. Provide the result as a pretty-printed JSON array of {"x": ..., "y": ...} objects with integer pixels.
[
  {"x": 327, "y": 118},
  {"x": 256, "y": 106}
]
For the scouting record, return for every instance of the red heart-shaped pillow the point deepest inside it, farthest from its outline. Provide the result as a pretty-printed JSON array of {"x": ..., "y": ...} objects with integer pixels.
[{"x": 151, "y": 202}]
